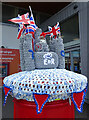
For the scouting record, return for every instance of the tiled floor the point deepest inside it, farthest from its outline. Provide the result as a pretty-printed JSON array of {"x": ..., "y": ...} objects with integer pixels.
[{"x": 7, "y": 111}]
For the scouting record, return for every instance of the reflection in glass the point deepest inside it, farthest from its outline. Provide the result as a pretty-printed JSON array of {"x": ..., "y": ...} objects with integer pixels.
[
  {"x": 73, "y": 61},
  {"x": 70, "y": 29}
]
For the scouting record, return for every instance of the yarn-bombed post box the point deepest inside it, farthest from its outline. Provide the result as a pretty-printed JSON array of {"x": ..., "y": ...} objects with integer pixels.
[{"x": 44, "y": 88}]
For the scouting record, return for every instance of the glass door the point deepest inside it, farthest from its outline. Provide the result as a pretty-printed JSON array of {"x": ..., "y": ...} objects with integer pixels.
[
  {"x": 76, "y": 61},
  {"x": 67, "y": 61},
  {"x": 70, "y": 34},
  {"x": 73, "y": 61}
]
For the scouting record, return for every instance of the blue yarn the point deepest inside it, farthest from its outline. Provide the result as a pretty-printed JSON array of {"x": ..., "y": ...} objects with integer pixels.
[
  {"x": 62, "y": 53},
  {"x": 32, "y": 53}
]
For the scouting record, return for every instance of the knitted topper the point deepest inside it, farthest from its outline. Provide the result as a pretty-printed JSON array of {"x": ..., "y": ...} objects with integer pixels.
[
  {"x": 47, "y": 85},
  {"x": 43, "y": 77}
]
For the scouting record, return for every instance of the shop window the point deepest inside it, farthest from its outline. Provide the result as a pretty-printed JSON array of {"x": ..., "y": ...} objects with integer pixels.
[
  {"x": 70, "y": 29},
  {"x": 73, "y": 61},
  {"x": 3, "y": 70}
]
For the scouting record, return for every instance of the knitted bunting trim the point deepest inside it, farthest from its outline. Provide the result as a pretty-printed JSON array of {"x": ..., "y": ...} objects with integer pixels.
[
  {"x": 45, "y": 97},
  {"x": 37, "y": 102},
  {"x": 8, "y": 89},
  {"x": 82, "y": 101}
]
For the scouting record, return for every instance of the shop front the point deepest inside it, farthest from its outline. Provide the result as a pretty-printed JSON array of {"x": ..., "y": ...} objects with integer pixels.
[
  {"x": 74, "y": 29},
  {"x": 9, "y": 62},
  {"x": 72, "y": 61}
]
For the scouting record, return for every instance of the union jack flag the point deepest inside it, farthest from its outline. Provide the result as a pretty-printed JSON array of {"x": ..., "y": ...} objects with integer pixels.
[
  {"x": 21, "y": 30},
  {"x": 23, "y": 19},
  {"x": 50, "y": 29},
  {"x": 54, "y": 31},
  {"x": 57, "y": 27},
  {"x": 32, "y": 27}
]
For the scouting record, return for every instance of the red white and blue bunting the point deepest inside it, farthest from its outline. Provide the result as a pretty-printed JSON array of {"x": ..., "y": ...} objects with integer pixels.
[
  {"x": 40, "y": 101},
  {"x": 78, "y": 99},
  {"x": 44, "y": 86},
  {"x": 7, "y": 90}
]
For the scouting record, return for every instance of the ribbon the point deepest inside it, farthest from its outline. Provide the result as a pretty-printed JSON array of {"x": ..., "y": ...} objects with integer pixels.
[
  {"x": 32, "y": 53},
  {"x": 62, "y": 53}
]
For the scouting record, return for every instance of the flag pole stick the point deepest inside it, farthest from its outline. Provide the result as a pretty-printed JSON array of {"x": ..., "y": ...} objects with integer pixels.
[
  {"x": 33, "y": 19},
  {"x": 30, "y": 9}
]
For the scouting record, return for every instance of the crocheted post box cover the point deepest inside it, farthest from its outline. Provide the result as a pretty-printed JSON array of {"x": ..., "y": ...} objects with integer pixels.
[
  {"x": 43, "y": 77},
  {"x": 55, "y": 83}
]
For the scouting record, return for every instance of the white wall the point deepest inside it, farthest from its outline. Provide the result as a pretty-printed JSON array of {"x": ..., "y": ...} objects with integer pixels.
[{"x": 9, "y": 36}]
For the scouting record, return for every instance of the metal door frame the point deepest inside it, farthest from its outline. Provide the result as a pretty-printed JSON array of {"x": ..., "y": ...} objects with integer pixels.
[{"x": 82, "y": 9}]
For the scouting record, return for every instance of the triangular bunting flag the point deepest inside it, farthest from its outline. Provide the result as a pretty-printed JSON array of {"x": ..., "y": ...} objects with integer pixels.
[
  {"x": 6, "y": 92},
  {"x": 78, "y": 100},
  {"x": 40, "y": 101}
]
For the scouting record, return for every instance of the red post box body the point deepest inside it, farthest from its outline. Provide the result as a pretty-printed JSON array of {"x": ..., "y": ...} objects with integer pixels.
[{"x": 55, "y": 109}]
